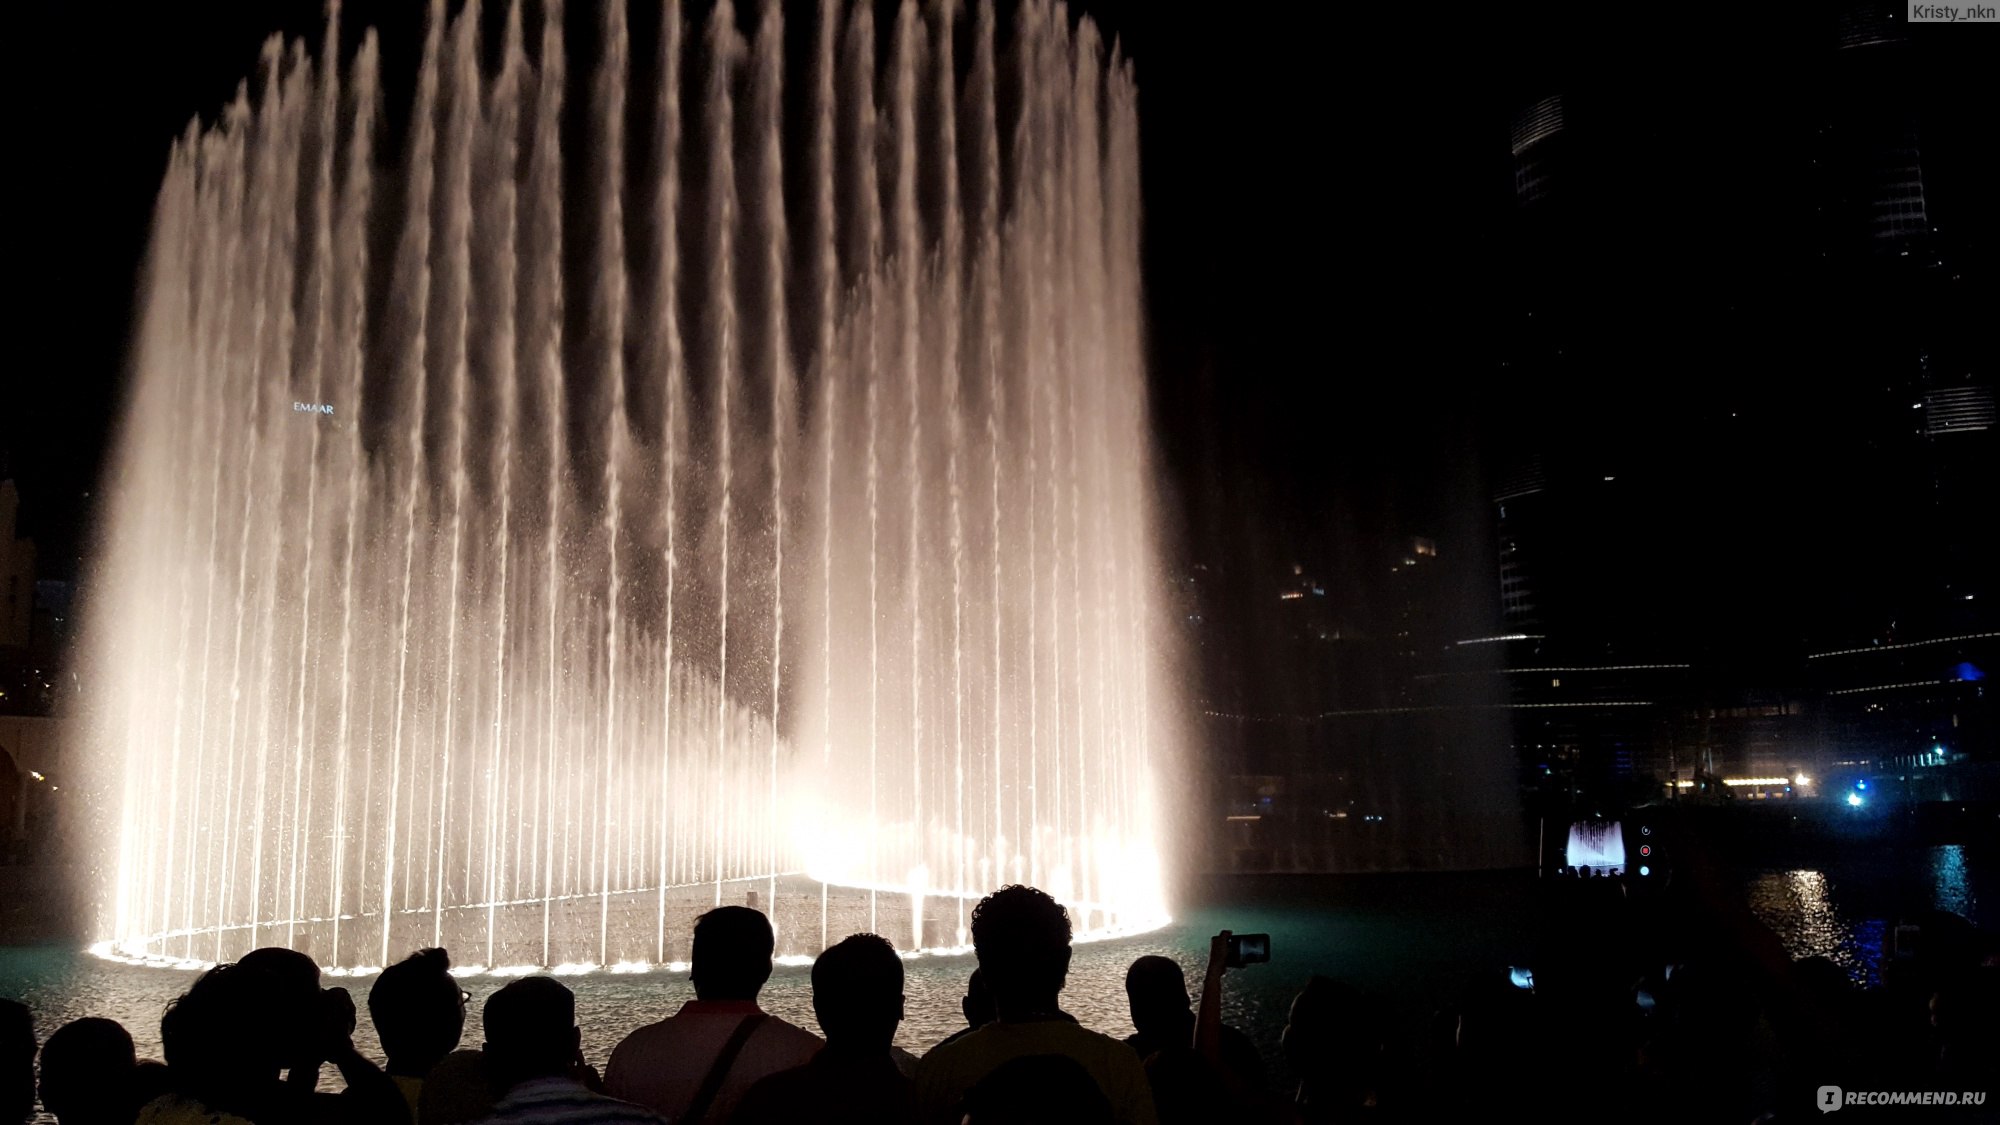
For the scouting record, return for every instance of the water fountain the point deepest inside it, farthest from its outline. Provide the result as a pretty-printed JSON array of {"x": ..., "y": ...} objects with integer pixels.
[{"x": 523, "y": 549}]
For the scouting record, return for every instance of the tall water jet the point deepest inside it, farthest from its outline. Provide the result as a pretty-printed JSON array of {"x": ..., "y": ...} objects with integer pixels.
[{"x": 770, "y": 536}]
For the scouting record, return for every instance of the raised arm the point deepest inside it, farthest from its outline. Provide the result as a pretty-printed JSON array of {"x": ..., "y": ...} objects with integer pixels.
[
  {"x": 371, "y": 1096},
  {"x": 1208, "y": 1020}
]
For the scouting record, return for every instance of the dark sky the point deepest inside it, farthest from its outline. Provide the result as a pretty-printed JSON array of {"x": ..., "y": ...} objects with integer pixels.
[
  {"x": 1333, "y": 265},
  {"x": 1283, "y": 157}
]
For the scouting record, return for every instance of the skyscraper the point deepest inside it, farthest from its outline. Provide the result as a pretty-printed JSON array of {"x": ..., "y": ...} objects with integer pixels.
[
  {"x": 1870, "y": 148},
  {"x": 1908, "y": 288}
]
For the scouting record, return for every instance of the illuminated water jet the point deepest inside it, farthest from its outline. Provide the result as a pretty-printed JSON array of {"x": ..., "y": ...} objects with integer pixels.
[{"x": 491, "y": 566}]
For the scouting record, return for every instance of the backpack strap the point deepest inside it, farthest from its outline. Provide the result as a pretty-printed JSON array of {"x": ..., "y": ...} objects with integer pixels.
[{"x": 711, "y": 1085}]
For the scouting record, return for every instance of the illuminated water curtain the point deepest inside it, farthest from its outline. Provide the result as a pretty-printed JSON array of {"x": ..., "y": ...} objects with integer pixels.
[{"x": 523, "y": 548}]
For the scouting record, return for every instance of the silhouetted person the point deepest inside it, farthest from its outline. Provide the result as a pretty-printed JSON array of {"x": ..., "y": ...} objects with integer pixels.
[
  {"x": 1021, "y": 937},
  {"x": 1201, "y": 1072},
  {"x": 230, "y": 1038},
  {"x": 315, "y": 1026},
  {"x": 720, "y": 1042},
  {"x": 1965, "y": 1016},
  {"x": 1333, "y": 1040},
  {"x": 17, "y": 1061},
  {"x": 223, "y": 1054},
  {"x": 88, "y": 1074},
  {"x": 1189, "y": 1090},
  {"x": 532, "y": 1052},
  {"x": 294, "y": 978},
  {"x": 1038, "y": 1090},
  {"x": 853, "y": 1080},
  {"x": 150, "y": 1079},
  {"x": 320, "y": 1027},
  {"x": 419, "y": 1015},
  {"x": 1157, "y": 991},
  {"x": 456, "y": 1091},
  {"x": 976, "y": 1006}
]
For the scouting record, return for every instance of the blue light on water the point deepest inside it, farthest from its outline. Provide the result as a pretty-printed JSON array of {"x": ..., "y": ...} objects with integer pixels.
[{"x": 1951, "y": 882}]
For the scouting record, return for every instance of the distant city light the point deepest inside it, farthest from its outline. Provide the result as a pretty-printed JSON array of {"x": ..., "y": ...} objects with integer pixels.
[
  {"x": 1854, "y": 799},
  {"x": 1891, "y": 687},
  {"x": 1905, "y": 644},
  {"x": 1802, "y": 781},
  {"x": 1862, "y": 784}
]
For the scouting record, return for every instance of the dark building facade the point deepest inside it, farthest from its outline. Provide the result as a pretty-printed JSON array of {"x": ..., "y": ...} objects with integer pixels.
[{"x": 1703, "y": 487}]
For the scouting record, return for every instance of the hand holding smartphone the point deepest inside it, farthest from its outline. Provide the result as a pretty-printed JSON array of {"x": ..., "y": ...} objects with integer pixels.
[
  {"x": 1229, "y": 950},
  {"x": 1248, "y": 949}
]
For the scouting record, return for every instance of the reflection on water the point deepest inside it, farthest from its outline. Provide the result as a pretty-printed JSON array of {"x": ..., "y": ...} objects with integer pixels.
[
  {"x": 1843, "y": 914},
  {"x": 1951, "y": 882},
  {"x": 1799, "y": 906}
]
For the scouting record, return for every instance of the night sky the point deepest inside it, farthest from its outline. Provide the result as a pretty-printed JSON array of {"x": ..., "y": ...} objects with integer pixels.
[{"x": 1333, "y": 270}]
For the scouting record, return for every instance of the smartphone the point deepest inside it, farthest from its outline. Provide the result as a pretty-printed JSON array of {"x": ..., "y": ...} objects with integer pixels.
[{"x": 1248, "y": 949}]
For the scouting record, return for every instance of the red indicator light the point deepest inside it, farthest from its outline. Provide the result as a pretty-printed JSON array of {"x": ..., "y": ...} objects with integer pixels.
[{"x": 1646, "y": 849}]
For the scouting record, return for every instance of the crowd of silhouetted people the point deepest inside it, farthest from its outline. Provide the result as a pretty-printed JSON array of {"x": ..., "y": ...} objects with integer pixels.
[
  {"x": 1723, "y": 1031},
  {"x": 249, "y": 1041}
]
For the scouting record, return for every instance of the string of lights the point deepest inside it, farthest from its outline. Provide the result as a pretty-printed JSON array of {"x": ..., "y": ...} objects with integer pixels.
[{"x": 1905, "y": 644}]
